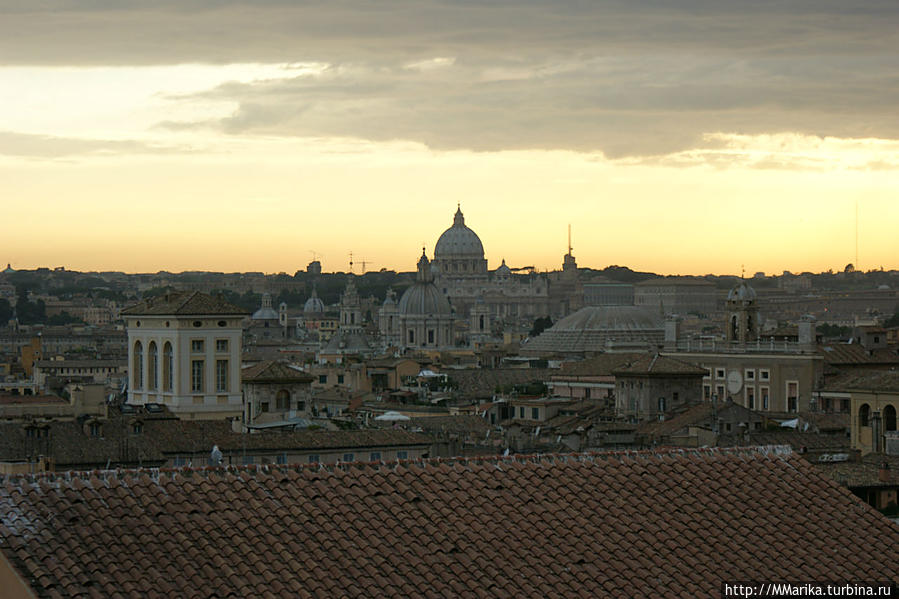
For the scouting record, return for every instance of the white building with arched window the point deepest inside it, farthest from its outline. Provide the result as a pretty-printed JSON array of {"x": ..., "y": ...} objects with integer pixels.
[{"x": 184, "y": 353}]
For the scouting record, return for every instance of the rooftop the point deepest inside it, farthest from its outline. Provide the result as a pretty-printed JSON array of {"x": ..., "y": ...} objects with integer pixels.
[
  {"x": 185, "y": 303},
  {"x": 617, "y": 524},
  {"x": 274, "y": 372}
]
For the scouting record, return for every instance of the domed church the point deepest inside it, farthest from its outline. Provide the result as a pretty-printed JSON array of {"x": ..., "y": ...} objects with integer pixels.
[
  {"x": 461, "y": 274},
  {"x": 459, "y": 253},
  {"x": 423, "y": 318}
]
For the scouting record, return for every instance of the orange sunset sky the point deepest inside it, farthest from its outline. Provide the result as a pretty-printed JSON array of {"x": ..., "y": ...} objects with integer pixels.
[{"x": 680, "y": 137}]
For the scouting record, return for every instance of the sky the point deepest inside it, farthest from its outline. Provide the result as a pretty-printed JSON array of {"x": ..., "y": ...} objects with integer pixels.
[{"x": 675, "y": 136}]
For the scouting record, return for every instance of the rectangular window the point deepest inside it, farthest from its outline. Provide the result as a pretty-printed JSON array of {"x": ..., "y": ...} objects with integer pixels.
[
  {"x": 197, "y": 376},
  {"x": 221, "y": 345},
  {"x": 196, "y": 346},
  {"x": 349, "y": 457},
  {"x": 765, "y": 401},
  {"x": 765, "y": 375},
  {"x": 750, "y": 375},
  {"x": 282, "y": 458},
  {"x": 411, "y": 336},
  {"x": 535, "y": 413},
  {"x": 719, "y": 373},
  {"x": 521, "y": 412},
  {"x": 221, "y": 376},
  {"x": 792, "y": 396},
  {"x": 431, "y": 336},
  {"x": 314, "y": 458},
  {"x": 263, "y": 407},
  {"x": 374, "y": 456},
  {"x": 750, "y": 398},
  {"x": 402, "y": 455},
  {"x": 719, "y": 391},
  {"x": 707, "y": 392},
  {"x": 339, "y": 379},
  {"x": 179, "y": 461},
  {"x": 323, "y": 379}
]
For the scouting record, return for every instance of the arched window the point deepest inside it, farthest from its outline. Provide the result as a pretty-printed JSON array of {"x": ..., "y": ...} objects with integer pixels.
[
  {"x": 889, "y": 418},
  {"x": 282, "y": 399},
  {"x": 138, "y": 365},
  {"x": 168, "y": 363},
  {"x": 864, "y": 415},
  {"x": 152, "y": 366}
]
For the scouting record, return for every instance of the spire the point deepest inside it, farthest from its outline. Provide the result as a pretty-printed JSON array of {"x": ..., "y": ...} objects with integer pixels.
[{"x": 458, "y": 219}]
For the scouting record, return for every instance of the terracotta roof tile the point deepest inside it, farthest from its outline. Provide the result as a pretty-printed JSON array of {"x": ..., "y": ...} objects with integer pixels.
[
  {"x": 620, "y": 524},
  {"x": 184, "y": 303}
]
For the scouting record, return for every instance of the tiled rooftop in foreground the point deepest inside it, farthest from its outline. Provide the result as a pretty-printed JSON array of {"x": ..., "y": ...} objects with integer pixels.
[{"x": 665, "y": 523}]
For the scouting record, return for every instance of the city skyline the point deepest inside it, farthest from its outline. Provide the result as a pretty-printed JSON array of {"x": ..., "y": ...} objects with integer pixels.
[{"x": 677, "y": 138}]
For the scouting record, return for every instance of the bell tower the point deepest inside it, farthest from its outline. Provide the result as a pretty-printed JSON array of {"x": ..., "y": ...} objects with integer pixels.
[{"x": 742, "y": 314}]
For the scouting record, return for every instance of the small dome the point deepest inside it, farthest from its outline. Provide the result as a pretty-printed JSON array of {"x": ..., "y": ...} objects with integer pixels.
[
  {"x": 458, "y": 241},
  {"x": 314, "y": 305},
  {"x": 424, "y": 297},
  {"x": 265, "y": 312},
  {"x": 741, "y": 293}
]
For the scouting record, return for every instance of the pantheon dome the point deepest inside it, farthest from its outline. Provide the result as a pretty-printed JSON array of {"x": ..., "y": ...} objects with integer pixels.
[{"x": 596, "y": 329}]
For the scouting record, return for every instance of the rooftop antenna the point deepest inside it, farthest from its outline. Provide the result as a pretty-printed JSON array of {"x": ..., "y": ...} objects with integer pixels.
[
  {"x": 351, "y": 262},
  {"x": 569, "y": 239},
  {"x": 315, "y": 255}
]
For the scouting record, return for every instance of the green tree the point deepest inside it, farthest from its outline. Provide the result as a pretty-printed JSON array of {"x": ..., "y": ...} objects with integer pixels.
[
  {"x": 893, "y": 321},
  {"x": 5, "y": 311},
  {"x": 540, "y": 325}
]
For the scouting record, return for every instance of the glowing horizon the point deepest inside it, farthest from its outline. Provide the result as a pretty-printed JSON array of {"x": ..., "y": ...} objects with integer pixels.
[{"x": 125, "y": 150}]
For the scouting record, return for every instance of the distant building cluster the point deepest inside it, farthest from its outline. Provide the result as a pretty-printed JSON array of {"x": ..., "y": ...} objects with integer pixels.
[{"x": 387, "y": 391}]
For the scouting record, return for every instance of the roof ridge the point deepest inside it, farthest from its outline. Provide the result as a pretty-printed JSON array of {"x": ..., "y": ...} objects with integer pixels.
[{"x": 760, "y": 452}]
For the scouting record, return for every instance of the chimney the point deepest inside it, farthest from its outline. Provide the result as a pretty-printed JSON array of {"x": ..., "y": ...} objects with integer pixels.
[
  {"x": 807, "y": 332},
  {"x": 883, "y": 473},
  {"x": 672, "y": 332}
]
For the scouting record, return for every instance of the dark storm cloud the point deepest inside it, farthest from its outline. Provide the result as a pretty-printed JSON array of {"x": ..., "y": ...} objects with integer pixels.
[{"x": 624, "y": 78}]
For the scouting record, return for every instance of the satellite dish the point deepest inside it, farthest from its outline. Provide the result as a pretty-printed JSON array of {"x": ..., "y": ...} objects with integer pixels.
[{"x": 734, "y": 382}]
